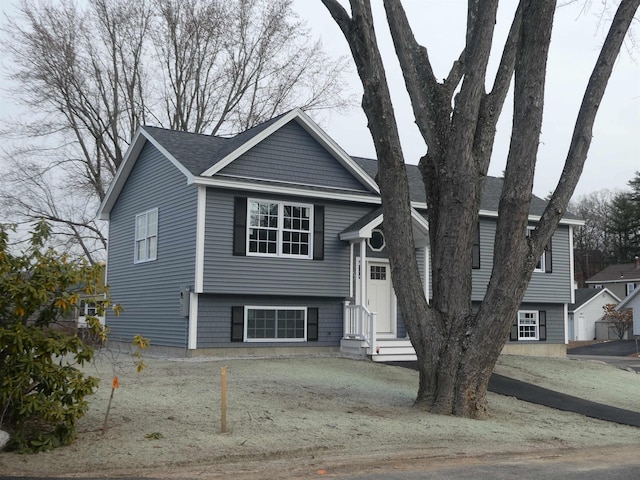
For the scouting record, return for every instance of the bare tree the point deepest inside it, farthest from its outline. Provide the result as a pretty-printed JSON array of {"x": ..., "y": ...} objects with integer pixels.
[
  {"x": 457, "y": 347},
  {"x": 89, "y": 76},
  {"x": 592, "y": 241},
  {"x": 621, "y": 320}
]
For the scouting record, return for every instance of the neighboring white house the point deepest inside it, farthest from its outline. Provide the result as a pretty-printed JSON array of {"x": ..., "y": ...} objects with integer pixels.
[
  {"x": 632, "y": 302},
  {"x": 587, "y": 310}
]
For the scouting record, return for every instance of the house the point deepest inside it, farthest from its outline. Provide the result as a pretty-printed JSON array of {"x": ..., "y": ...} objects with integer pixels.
[
  {"x": 586, "y": 311},
  {"x": 621, "y": 279},
  {"x": 256, "y": 243},
  {"x": 632, "y": 302}
]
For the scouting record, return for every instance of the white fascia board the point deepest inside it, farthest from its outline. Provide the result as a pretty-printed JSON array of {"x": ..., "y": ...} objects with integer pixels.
[
  {"x": 286, "y": 190},
  {"x": 420, "y": 220},
  {"x": 614, "y": 281},
  {"x": 595, "y": 297},
  {"x": 119, "y": 179},
  {"x": 366, "y": 231},
  {"x": 628, "y": 299},
  {"x": 200, "y": 238},
  {"x": 534, "y": 218},
  {"x": 572, "y": 267},
  {"x": 315, "y": 131},
  {"x": 339, "y": 154},
  {"x": 130, "y": 157}
]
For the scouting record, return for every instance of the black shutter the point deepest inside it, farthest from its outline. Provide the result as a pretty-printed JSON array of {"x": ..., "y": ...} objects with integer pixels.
[
  {"x": 475, "y": 252},
  {"x": 318, "y": 232},
  {"x": 548, "y": 267},
  {"x": 542, "y": 325},
  {"x": 237, "y": 324},
  {"x": 240, "y": 226},
  {"x": 312, "y": 324},
  {"x": 513, "y": 334}
]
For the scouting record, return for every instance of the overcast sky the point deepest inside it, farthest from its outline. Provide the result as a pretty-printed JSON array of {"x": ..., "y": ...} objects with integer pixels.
[{"x": 439, "y": 25}]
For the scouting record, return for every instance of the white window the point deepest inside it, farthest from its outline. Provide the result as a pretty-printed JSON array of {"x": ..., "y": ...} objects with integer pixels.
[
  {"x": 146, "y": 248},
  {"x": 630, "y": 288},
  {"x": 598, "y": 285},
  {"x": 279, "y": 229},
  {"x": 377, "y": 241},
  {"x": 282, "y": 324},
  {"x": 528, "y": 325},
  {"x": 540, "y": 266}
]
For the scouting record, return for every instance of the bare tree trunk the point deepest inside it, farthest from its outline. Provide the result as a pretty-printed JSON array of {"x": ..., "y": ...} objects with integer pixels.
[{"x": 456, "y": 346}]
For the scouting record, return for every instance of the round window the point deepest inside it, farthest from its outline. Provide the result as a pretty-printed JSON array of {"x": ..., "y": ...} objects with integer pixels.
[{"x": 376, "y": 242}]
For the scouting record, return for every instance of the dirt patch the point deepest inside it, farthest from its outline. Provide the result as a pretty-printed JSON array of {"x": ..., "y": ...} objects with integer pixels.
[{"x": 322, "y": 411}]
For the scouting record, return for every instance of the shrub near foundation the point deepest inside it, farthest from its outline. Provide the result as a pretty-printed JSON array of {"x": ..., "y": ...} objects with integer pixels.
[{"x": 42, "y": 390}]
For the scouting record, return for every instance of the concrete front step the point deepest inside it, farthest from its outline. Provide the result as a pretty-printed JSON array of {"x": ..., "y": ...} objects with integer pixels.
[
  {"x": 394, "y": 358},
  {"x": 396, "y": 350}
]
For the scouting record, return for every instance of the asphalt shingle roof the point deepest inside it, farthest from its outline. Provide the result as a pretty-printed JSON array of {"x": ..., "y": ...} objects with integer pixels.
[
  {"x": 199, "y": 152},
  {"x": 621, "y": 272},
  {"x": 583, "y": 295}
]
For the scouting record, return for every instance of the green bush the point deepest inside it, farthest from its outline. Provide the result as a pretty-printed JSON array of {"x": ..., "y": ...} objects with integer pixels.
[{"x": 42, "y": 390}]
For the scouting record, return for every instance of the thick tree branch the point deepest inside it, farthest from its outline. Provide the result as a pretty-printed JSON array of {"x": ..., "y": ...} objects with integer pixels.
[
  {"x": 583, "y": 130},
  {"x": 428, "y": 98},
  {"x": 493, "y": 102}
]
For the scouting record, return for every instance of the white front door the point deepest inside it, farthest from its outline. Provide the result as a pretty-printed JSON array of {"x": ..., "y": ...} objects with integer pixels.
[{"x": 380, "y": 297}]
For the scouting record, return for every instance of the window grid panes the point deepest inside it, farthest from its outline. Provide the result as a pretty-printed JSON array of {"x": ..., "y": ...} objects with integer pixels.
[
  {"x": 146, "y": 235},
  {"x": 378, "y": 272},
  {"x": 295, "y": 233},
  {"x": 279, "y": 229},
  {"x": 275, "y": 324},
  {"x": 528, "y": 325}
]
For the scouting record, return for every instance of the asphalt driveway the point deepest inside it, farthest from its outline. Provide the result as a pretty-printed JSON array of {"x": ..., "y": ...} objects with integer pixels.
[{"x": 613, "y": 348}]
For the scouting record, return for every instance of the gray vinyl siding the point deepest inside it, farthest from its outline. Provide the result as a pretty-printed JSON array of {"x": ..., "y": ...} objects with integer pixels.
[
  {"x": 214, "y": 319},
  {"x": 292, "y": 155},
  {"x": 555, "y": 322},
  {"x": 149, "y": 292},
  {"x": 544, "y": 287},
  {"x": 228, "y": 274}
]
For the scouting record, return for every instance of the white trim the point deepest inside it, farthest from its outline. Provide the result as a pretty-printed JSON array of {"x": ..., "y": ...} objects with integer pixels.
[
  {"x": 384, "y": 240},
  {"x": 192, "y": 342},
  {"x": 361, "y": 295},
  {"x": 626, "y": 288},
  {"x": 129, "y": 160},
  {"x": 534, "y": 218},
  {"x": 537, "y": 337},
  {"x": 600, "y": 291},
  {"x": 315, "y": 131},
  {"x": 618, "y": 281},
  {"x": 628, "y": 298},
  {"x": 361, "y": 269},
  {"x": 280, "y": 229},
  {"x": 275, "y": 339},
  {"x": 566, "y": 323},
  {"x": 295, "y": 184},
  {"x": 393, "y": 303},
  {"x": 351, "y": 272},
  {"x": 366, "y": 230},
  {"x": 147, "y": 257},
  {"x": 285, "y": 190},
  {"x": 572, "y": 270},
  {"x": 201, "y": 216}
]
